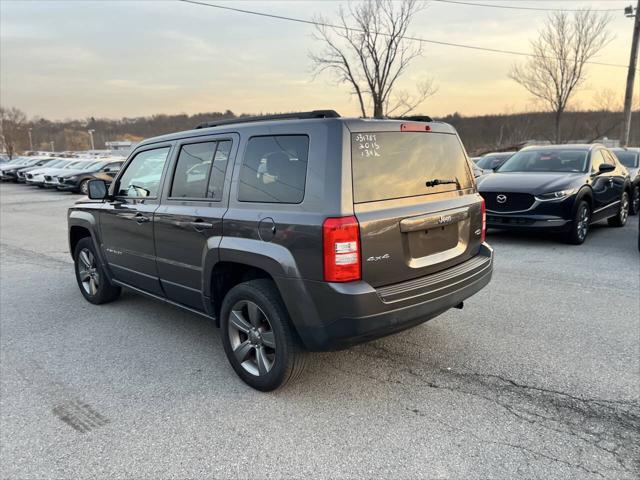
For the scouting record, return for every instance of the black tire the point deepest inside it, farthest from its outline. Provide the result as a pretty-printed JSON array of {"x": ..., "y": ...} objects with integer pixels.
[
  {"x": 620, "y": 219},
  {"x": 90, "y": 275},
  {"x": 634, "y": 207},
  {"x": 271, "y": 324},
  {"x": 84, "y": 187},
  {"x": 579, "y": 228}
]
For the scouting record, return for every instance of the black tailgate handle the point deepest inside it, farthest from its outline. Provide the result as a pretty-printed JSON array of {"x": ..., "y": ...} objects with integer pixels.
[{"x": 431, "y": 220}]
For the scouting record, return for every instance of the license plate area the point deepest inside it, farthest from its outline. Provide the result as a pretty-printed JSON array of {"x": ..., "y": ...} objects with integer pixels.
[{"x": 434, "y": 238}]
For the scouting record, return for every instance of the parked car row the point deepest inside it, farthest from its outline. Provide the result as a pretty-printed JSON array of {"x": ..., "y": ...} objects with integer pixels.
[
  {"x": 562, "y": 188},
  {"x": 61, "y": 173}
]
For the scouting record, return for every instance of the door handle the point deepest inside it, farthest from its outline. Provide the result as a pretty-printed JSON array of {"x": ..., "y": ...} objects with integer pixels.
[
  {"x": 199, "y": 225},
  {"x": 140, "y": 219}
]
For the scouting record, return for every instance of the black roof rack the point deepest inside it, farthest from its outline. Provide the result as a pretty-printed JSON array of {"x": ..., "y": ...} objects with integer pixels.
[{"x": 279, "y": 116}]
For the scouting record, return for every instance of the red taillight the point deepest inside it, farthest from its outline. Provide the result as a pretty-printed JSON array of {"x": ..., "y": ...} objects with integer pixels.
[
  {"x": 341, "y": 249},
  {"x": 483, "y": 209},
  {"x": 414, "y": 127}
]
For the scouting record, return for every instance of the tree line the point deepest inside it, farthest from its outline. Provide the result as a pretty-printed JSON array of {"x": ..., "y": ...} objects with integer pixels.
[{"x": 480, "y": 134}]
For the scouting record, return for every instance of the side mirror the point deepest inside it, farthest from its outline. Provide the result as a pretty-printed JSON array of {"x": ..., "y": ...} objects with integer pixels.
[
  {"x": 97, "y": 189},
  {"x": 606, "y": 167}
]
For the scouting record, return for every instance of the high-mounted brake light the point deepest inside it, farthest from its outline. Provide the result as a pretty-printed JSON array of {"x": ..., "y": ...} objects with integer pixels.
[
  {"x": 341, "y": 249},
  {"x": 483, "y": 209},
  {"x": 414, "y": 127}
]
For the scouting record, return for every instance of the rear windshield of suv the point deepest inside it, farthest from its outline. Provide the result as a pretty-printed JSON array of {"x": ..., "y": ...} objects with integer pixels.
[{"x": 388, "y": 165}]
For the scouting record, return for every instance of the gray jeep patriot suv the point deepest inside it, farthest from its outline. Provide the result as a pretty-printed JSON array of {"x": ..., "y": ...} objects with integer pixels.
[{"x": 292, "y": 232}]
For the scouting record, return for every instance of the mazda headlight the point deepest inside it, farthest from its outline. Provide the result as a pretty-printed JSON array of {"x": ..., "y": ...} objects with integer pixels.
[{"x": 560, "y": 195}]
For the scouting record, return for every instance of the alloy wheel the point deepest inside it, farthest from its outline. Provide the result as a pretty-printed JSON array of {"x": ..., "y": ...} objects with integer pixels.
[
  {"x": 583, "y": 222},
  {"x": 88, "y": 271},
  {"x": 84, "y": 187},
  {"x": 252, "y": 338},
  {"x": 624, "y": 208}
]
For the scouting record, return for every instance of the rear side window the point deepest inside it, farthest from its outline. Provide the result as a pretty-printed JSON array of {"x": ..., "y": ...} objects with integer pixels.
[
  {"x": 200, "y": 170},
  {"x": 218, "y": 170},
  {"x": 389, "y": 165},
  {"x": 192, "y": 170},
  {"x": 274, "y": 169},
  {"x": 628, "y": 159}
]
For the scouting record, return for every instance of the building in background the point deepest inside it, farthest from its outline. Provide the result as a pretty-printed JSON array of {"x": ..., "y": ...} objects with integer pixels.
[{"x": 120, "y": 147}]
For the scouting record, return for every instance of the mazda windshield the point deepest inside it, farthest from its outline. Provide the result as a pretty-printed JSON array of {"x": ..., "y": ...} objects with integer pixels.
[{"x": 547, "y": 160}]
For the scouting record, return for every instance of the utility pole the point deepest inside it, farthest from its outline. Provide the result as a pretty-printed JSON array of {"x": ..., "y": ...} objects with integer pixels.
[
  {"x": 30, "y": 141},
  {"x": 52, "y": 146},
  {"x": 91, "y": 133},
  {"x": 631, "y": 74}
]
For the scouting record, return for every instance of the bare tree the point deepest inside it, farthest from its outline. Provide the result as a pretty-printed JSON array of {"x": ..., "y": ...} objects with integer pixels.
[
  {"x": 367, "y": 50},
  {"x": 565, "y": 44},
  {"x": 12, "y": 128}
]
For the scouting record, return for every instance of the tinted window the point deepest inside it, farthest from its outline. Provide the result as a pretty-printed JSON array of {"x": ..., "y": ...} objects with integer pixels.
[
  {"x": 274, "y": 169},
  {"x": 192, "y": 170},
  {"x": 399, "y": 164},
  {"x": 628, "y": 159},
  {"x": 493, "y": 161},
  {"x": 142, "y": 176},
  {"x": 547, "y": 160},
  {"x": 216, "y": 179}
]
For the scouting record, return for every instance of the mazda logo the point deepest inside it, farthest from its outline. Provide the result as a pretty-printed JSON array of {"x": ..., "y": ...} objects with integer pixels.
[{"x": 501, "y": 198}]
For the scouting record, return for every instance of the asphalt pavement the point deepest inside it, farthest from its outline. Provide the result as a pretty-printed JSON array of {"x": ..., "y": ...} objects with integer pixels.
[{"x": 537, "y": 377}]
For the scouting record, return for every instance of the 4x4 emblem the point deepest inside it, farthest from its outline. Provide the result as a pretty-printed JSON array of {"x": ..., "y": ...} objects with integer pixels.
[
  {"x": 378, "y": 258},
  {"x": 501, "y": 198}
]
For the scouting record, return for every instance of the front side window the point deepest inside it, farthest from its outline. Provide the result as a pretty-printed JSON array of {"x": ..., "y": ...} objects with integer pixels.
[
  {"x": 597, "y": 159},
  {"x": 274, "y": 169},
  {"x": 143, "y": 174}
]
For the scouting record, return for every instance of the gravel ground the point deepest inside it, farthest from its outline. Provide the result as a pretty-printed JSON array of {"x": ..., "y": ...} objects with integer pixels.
[{"x": 537, "y": 377}]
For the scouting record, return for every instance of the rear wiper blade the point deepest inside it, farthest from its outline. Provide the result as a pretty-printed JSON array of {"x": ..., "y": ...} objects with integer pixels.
[{"x": 443, "y": 181}]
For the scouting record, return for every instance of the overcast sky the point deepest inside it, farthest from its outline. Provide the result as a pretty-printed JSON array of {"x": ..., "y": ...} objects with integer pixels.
[{"x": 74, "y": 59}]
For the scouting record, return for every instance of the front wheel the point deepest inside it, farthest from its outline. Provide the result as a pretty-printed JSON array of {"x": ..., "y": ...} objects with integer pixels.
[
  {"x": 580, "y": 224},
  {"x": 84, "y": 187},
  {"x": 92, "y": 280},
  {"x": 257, "y": 336},
  {"x": 623, "y": 212}
]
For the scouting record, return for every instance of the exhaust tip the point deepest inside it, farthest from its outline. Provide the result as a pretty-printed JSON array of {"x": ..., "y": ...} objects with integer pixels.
[{"x": 459, "y": 306}]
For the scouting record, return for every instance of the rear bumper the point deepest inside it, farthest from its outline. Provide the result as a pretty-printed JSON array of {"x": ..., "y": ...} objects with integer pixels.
[{"x": 332, "y": 316}]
